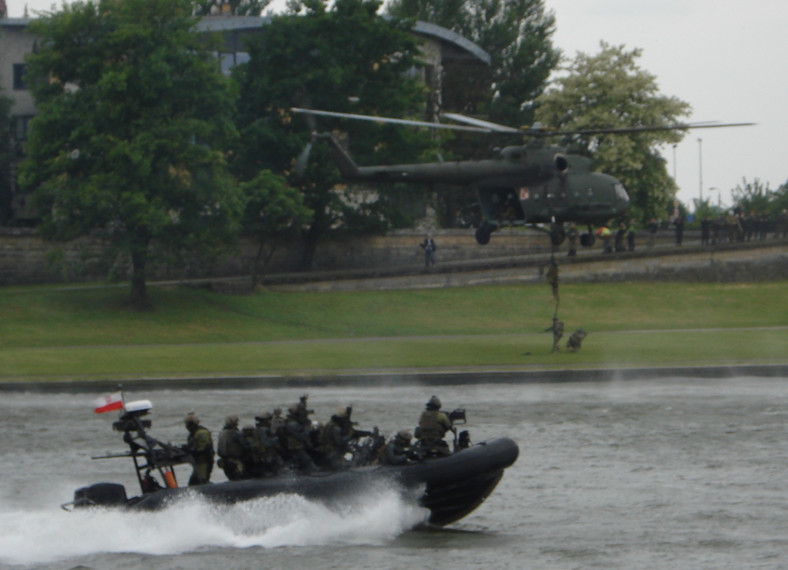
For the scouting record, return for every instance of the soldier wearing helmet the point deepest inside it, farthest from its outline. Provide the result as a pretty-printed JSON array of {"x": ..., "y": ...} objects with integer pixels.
[
  {"x": 335, "y": 437},
  {"x": 294, "y": 436},
  {"x": 231, "y": 449},
  {"x": 433, "y": 425},
  {"x": 397, "y": 450},
  {"x": 268, "y": 444},
  {"x": 200, "y": 445}
]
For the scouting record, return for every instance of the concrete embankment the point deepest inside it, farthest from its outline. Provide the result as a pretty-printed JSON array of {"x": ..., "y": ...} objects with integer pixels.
[{"x": 447, "y": 377}]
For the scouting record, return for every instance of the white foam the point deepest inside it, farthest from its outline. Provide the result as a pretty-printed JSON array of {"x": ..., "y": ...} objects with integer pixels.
[{"x": 42, "y": 536}]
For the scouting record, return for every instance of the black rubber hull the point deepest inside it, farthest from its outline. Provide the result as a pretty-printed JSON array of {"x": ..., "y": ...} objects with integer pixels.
[{"x": 451, "y": 486}]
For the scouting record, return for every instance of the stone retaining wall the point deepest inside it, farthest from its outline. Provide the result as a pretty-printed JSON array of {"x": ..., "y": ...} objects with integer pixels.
[{"x": 26, "y": 259}]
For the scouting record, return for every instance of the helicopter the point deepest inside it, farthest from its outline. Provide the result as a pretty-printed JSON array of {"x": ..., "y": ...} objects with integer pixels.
[{"x": 523, "y": 184}]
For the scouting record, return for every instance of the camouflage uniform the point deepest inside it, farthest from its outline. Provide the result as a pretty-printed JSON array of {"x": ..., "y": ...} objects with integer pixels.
[
  {"x": 557, "y": 328},
  {"x": 200, "y": 445},
  {"x": 231, "y": 449},
  {"x": 573, "y": 344},
  {"x": 433, "y": 425},
  {"x": 268, "y": 445},
  {"x": 294, "y": 435},
  {"x": 397, "y": 451},
  {"x": 334, "y": 439}
]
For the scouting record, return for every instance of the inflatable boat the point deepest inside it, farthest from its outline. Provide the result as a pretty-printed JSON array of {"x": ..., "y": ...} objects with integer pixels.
[{"x": 450, "y": 487}]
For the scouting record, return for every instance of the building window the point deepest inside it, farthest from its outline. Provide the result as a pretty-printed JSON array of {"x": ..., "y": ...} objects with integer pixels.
[
  {"x": 20, "y": 71},
  {"x": 21, "y": 127}
]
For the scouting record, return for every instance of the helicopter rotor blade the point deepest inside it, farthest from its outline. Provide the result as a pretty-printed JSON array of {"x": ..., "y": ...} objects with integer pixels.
[
  {"x": 651, "y": 128},
  {"x": 486, "y": 125},
  {"x": 375, "y": 119},
  {"x": 537, "y": 130}
]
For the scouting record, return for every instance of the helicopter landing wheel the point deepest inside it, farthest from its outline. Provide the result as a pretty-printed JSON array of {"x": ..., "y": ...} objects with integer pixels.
[
  {"x": 557, "y": 235},
  {"x": 483, "y": 235},
  {"x": 587, "y": 240}
]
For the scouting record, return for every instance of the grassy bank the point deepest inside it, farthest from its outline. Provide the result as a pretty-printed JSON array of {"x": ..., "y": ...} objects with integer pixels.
[{"x": 48, "y": 333}]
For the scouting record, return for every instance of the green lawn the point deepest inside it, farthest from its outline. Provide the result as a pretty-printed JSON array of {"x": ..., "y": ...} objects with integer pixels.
[{"x": 47, "y": 333}]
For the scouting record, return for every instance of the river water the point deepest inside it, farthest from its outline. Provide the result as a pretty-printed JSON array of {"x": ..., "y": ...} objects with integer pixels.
[{"x": 659, "y": 473}]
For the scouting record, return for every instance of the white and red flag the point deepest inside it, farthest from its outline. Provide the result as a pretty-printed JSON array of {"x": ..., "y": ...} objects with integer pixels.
[{"x": 108, "y": 403}]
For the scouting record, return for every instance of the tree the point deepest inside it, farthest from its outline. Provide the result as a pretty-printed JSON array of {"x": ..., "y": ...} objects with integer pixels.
[
  {"x": 610, "y": 90},
  {"x": 133, "y": 125},
  {"x": 344, "y": 58},
  {"x": 274, "y": 213},
  {"x": 753, "y": 196},
  {"x": 230, "y": 7}
]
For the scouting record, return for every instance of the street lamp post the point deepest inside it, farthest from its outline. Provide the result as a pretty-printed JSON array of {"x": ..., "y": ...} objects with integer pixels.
[{"x": 700, "y": 167}]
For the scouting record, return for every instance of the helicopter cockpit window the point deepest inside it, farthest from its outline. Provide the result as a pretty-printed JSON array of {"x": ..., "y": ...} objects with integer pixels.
[{"x": 621, "y": 192}]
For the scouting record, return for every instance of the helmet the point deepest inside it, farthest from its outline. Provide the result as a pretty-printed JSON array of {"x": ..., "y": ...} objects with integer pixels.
[
  {"x": 340, "y": 412},
  {"x": 191, "y": 418},
  {"x": 404, "y": 435},
  {"x": 434, "y": 403},
  {"x": 231, "y": 421}
]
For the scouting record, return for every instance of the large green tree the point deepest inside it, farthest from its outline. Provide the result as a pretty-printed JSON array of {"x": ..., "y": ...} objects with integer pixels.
[
  {"x": 131, "y": 136},
  {"x": 342, "y": 58},
  {"x": 274, "y": 213},
  {"x": 608, "y": 89}
]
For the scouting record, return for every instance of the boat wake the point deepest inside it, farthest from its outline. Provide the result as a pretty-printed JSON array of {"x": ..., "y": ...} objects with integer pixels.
[{"x": 375, "y": 516}]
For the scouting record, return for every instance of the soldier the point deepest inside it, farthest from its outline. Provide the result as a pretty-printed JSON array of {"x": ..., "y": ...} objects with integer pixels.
[
  {"x": 231, "y": 449},
  {"x": 397, "y": 451},
  {"x": 621, "y": 233},
  {"x": 433, "y": 425},
  {"x": 552, "y": 279},
  {"x": 268, "y": 445},
  {"x": 557, "y": 328},
  {"x": 294, "y": 436},
  {"x": 200, "y": 445},
  {"x": 334, "y": 439},
  {"x": 573, "y": 344},
  {"x": 631, "y": 230},
  {"x": 572, "y": 234},
  {"x": 250, "y": 458}
]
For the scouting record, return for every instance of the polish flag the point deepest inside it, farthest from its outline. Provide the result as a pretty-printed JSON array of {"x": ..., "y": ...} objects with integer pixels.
[{"x": 108, "y": 403}]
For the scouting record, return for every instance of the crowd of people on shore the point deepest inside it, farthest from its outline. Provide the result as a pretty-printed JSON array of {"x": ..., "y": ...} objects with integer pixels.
[{"x": 296, "y": 443}]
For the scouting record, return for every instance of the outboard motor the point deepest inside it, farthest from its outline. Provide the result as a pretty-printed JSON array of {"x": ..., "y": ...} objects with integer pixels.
[{"x": 100, "y": 495}]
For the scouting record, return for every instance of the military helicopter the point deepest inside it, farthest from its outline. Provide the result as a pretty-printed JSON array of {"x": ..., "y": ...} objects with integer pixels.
[{"x": 524, "y": 184}]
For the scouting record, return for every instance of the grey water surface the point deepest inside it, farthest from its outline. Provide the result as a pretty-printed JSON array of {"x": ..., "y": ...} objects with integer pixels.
[{"x": 658, "y": 473}]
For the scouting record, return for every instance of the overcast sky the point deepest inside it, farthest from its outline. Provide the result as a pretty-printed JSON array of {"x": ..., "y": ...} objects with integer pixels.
[{"x": 727, "y": 58}]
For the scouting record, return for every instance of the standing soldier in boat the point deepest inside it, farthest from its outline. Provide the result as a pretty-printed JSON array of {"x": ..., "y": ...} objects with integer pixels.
[
  {"x": 433, "y": 425},
  {"x": 268, "y": 444},
  {"x": 231, "y": 449},
  {"x": 334, "y": 439},
  {"x": 294, "y": 436},
  {"x": 200, "y": 446}
]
